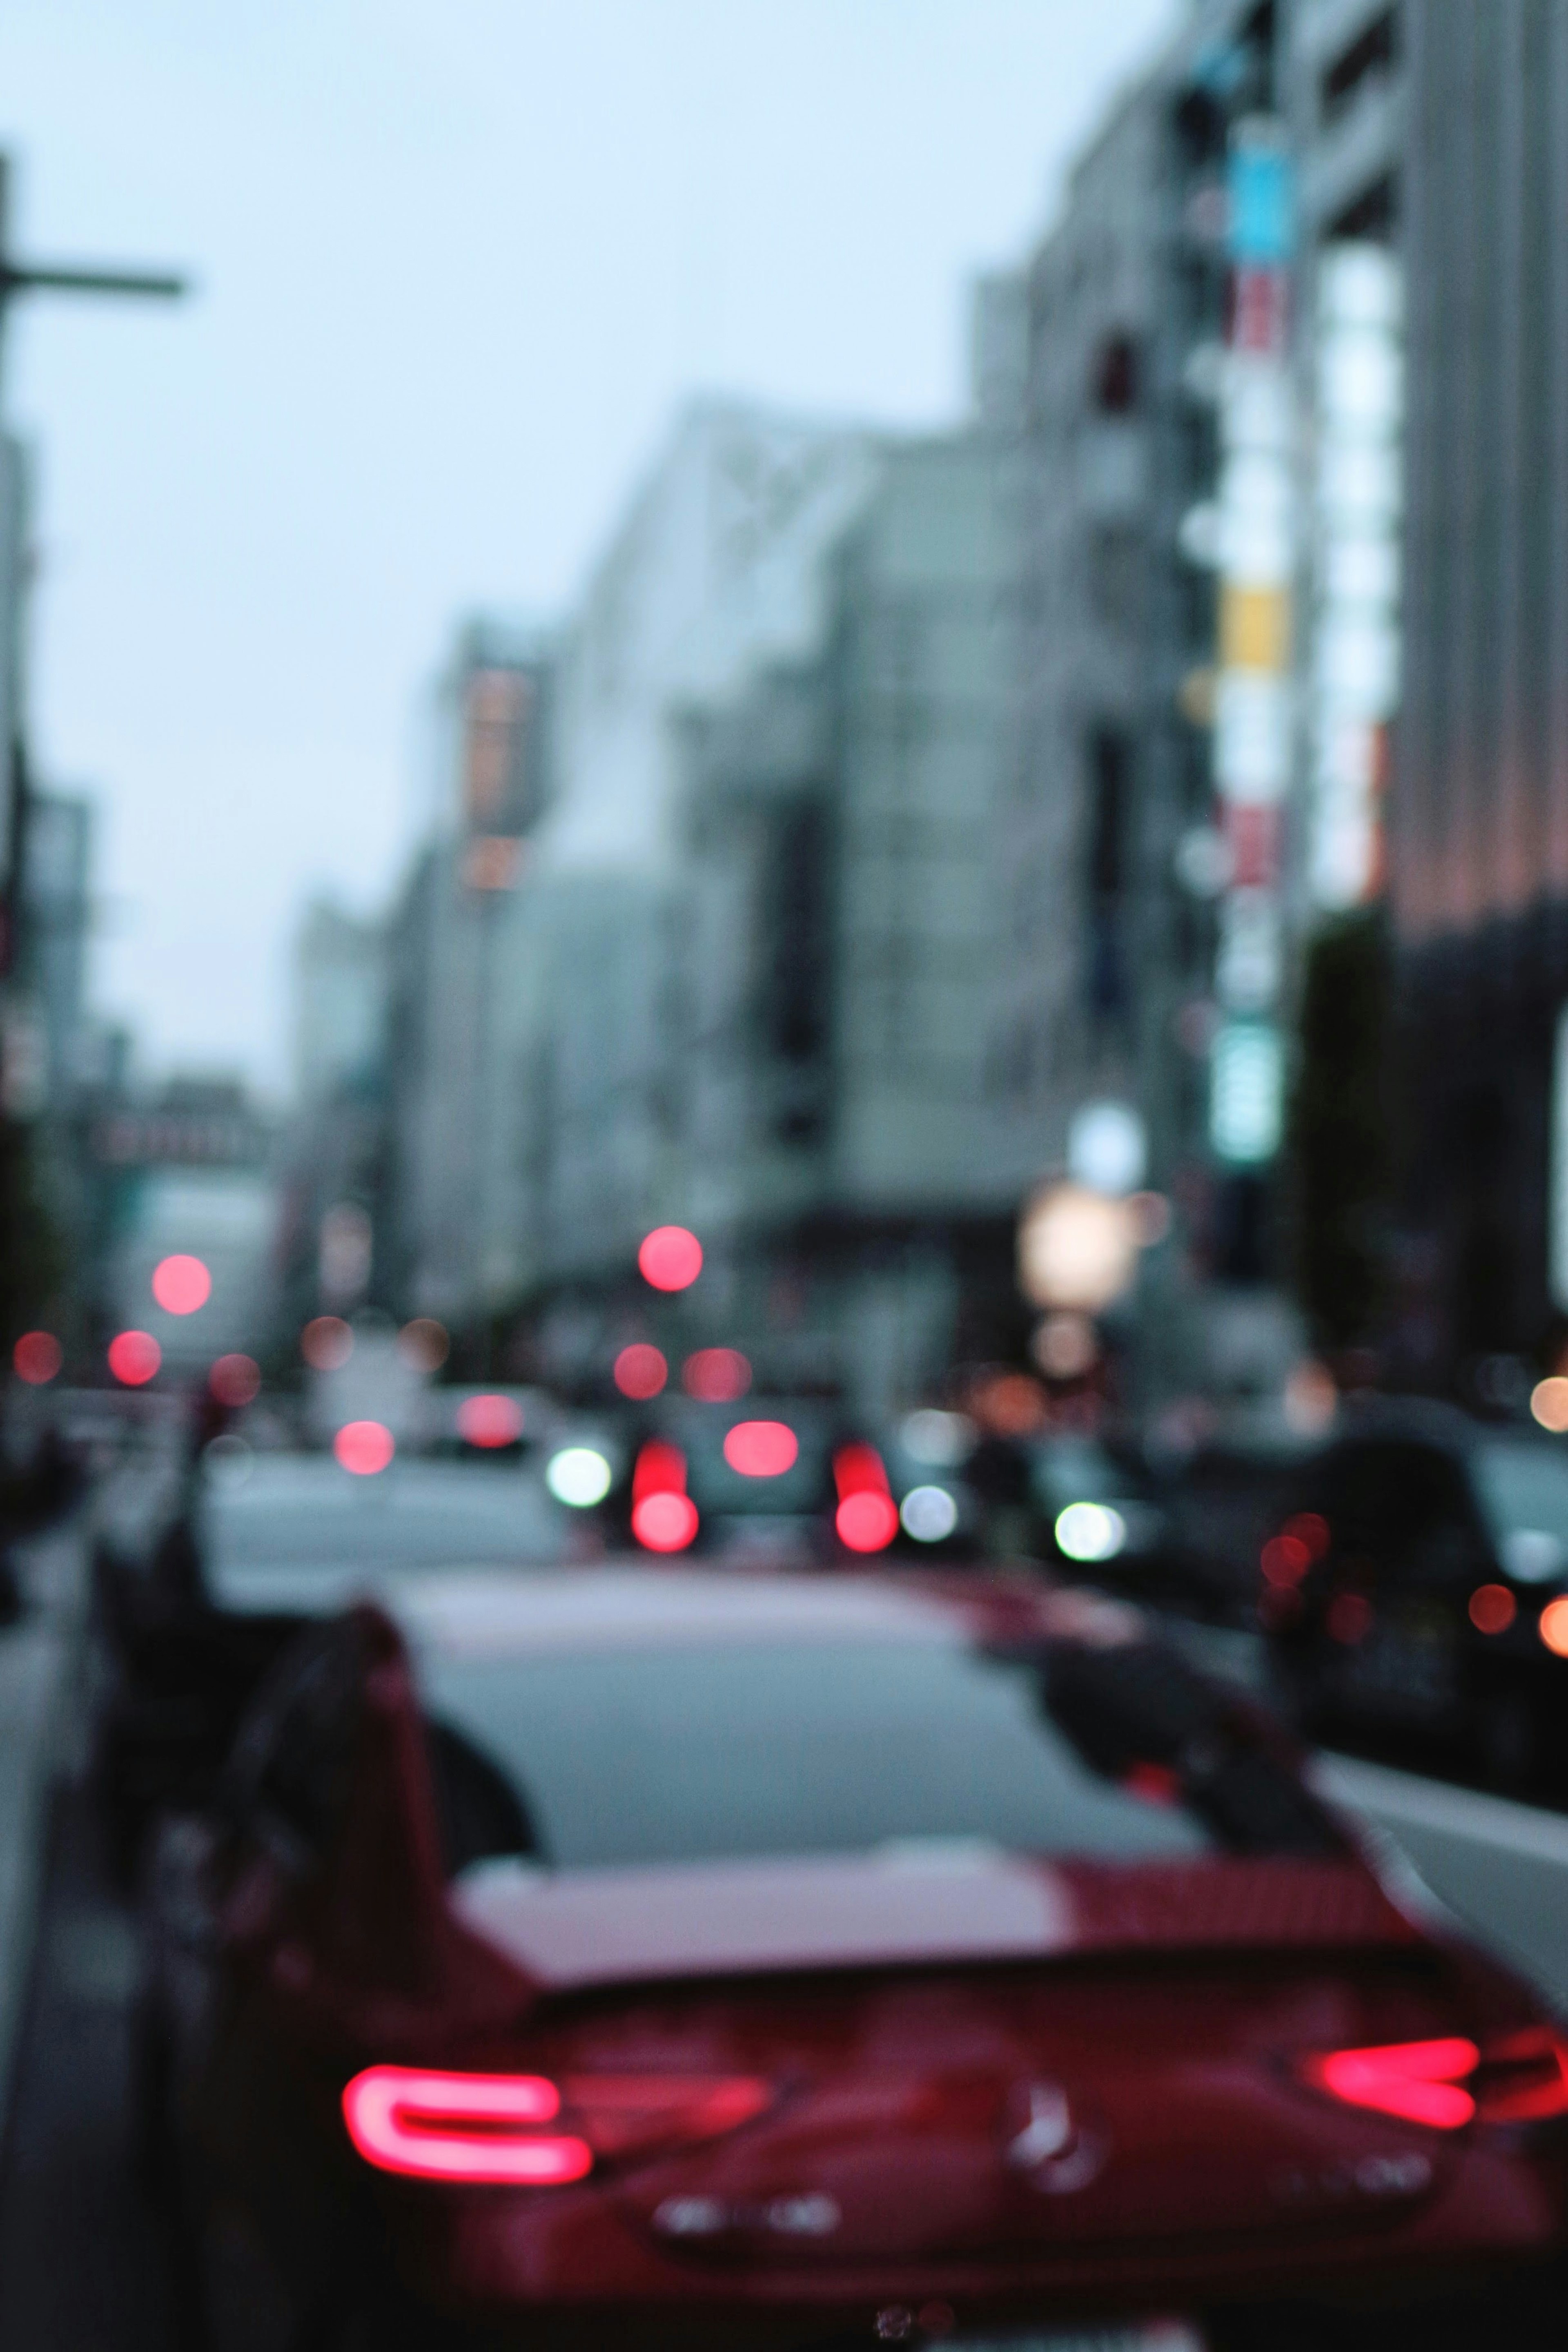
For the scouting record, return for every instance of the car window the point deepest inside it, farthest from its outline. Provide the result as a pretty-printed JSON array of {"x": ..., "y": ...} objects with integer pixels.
[
  {"x": 686, "y": 1754},
  {"x": 288, "y": 1776},
  {"x": 1522, "y": 1488}
]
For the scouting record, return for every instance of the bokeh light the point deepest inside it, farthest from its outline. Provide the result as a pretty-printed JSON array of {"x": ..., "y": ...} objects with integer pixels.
[
  {"x": 364, "y": 1447},
  {"x": 867, "y": 1521},
  {"x": 640, "y": 1371},
  {"x": 37, "y": 1358},
  {"x": 1553, "y": 1627},
  {"x": 1549, "y": 1403},
  {"x": 1090, "y": 1531},
  {"x": 1285, "y": 1559},
  {"x": 235, "y": 1379},
  {"x": 664, "y": 1522},
  {"x": 579, "y": 1475},
  {"x": 761, "y": 1449},
  {"x": 181, "y": 1285},
  {"x": 134, "y": 1357},
  {"x": 424, "y": 1344},
  {"x": 670, "y": 1258},
  {"x": 716, "y": 1375},
  {"x": 929, "y": 1514},
  {"x": 326, "y": 1343},
  {"x": 489, "y": 1421},
  {"x": 1492, "y": 1609}
]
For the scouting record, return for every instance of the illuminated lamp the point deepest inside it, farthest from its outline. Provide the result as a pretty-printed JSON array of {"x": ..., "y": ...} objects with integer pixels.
[
  {"x": 364, "y": 1447},
  {"x": 1090, "y": 1531},
  {"x": 1420, "y": 2082},
  {"x": 326, "y": 1343},
  {"x": 134, "y": 1357},
  {"x": 761, "y": 1449},
  {"x": 1077, "y": 1249},
  {"x": 234, "y": 1380},
  {"x": 640, "y": 1371},
  {"x": 1553, "y": 1627},
  {"x": 1285, "y": 1559},
  {"x": 716, "y": 1375},
  {"x": 1549, "y": 1403},
  {"x": 1309, "y": 1528},
  {"x": 1492, "y": 1609},
  {"x": 671, "y": 1258},
  {"x": 867, "y": 1516},
  {"x": 489, "y": 1421},
  {"x": 181, "y": 1285},
  {"x": 664, "y": 1517},
  {"x": 438, "y": 2127},
  {"x": 579, "y": 1476},
  {"x": 37, "y": 1358}
]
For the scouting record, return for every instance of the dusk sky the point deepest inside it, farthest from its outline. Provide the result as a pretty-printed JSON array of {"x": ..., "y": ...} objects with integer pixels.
[{"x": 456, "y": 265}]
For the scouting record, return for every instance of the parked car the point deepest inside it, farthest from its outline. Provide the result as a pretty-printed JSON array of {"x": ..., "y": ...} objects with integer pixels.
[
  {"x": 1417, "y": 1583},
  {"x": 663, "y": 1957}
]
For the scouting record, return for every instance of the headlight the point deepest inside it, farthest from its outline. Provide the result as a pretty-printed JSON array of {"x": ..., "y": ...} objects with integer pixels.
[
  {"x": 928, "y": 1513},
  {"x": 578, "y": 1476}
]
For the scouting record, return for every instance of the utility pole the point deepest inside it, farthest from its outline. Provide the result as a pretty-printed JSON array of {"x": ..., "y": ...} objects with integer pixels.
[{"x": 18, "y": 278}]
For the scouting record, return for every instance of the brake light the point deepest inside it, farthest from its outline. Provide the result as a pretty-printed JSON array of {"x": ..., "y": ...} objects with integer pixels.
[
  {"x": 1523, "y": 2078},
  {"x": 1422, "y": 2082},
  {"x": 488, "y": 2128},
  {"x": 867, "y": 1516},
  {"x": 472, "y": 2128},
  {"x": 664, "y": 1517}
]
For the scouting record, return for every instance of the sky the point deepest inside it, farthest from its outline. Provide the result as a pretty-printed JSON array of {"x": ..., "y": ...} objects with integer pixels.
[{"x": 457, "y": 263}]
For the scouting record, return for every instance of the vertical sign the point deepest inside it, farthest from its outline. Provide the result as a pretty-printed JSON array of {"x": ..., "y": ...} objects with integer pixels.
[{"x": 1252, "y": 702}]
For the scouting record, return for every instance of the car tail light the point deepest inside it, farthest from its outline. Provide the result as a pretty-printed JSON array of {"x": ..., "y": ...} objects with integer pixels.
[
  {"x": 664, "y": 1517},
  {"x": 462, "y": 2126},
  {"x": 528, "y": 2132},
  {"x": 1446, "y": 2083},
  {"x": 867, "y": 1516}
]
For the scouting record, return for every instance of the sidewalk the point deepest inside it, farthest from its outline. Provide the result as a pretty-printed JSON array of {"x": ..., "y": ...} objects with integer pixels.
[{"x": 35, "y": 1658}]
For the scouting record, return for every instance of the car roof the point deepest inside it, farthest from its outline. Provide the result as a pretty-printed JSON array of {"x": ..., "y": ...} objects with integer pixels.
[{"x": 499, "y": 1613}]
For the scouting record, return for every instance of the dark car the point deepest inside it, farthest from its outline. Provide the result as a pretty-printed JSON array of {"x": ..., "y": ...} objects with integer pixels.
[
  {"x": 673, "y": 1957},
  {"x": 1417, "y": 1583}
]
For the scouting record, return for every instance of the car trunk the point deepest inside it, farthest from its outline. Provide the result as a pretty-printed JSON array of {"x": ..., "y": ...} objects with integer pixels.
[{"x": 967, "y": 2081}]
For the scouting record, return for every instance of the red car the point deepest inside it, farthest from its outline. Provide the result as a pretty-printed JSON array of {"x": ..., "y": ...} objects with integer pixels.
[{"x": 658, "y": 1958}]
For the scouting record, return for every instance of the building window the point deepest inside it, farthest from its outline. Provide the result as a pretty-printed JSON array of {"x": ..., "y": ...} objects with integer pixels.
[
  {"x": 795, "y": 933},
  {"x": 1371, "y": 57},
  {"x": 1114, "y": 388}
]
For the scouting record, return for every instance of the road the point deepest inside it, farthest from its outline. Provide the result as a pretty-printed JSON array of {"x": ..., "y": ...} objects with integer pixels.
[{"x": 82, "y": 2261}]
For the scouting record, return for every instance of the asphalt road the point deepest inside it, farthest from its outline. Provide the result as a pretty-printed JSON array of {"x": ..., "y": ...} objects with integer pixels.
[{"x": 82, "y": 2259}]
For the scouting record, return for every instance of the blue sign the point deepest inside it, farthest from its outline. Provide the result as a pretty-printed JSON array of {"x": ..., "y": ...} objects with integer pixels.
[{"x": 1261, "y": 228}]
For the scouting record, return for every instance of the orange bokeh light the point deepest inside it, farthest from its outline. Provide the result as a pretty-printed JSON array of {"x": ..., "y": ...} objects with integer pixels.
[
  {"x": 640, "y": 1371},
  {"x": 1549, "y": 1402},
  {"x": 134, "y": 1357},
  {"x": 716, "y": 1375},
  {"x": 1553, "y": 1627},
  {"x": 37, "y": 1358},
  {"x": 234, "y": 1380},
  {"x": 364, "y": 1447},
  {"x": 181, "y": 1285},
  {"x": 671, "y": 1258}
]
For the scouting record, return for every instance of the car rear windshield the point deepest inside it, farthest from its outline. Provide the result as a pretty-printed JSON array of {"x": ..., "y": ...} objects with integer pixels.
[{"x": 679, "y": 1754}]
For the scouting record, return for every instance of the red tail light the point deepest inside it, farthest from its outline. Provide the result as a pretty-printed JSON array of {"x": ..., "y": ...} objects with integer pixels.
[
  {"x": 664, "y": 1517},
  {"x": 1524, "y": 2078},
  {"x": 462, "y": 2126},
  {"x": 488, "y": 2128},
  {"x": 867, "y": 1516}
]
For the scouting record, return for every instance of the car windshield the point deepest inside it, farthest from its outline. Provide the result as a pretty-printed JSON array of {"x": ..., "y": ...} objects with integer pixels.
[
  {"x": 698, "y": 1753},
  {"x": 1524, "y": 1488}
]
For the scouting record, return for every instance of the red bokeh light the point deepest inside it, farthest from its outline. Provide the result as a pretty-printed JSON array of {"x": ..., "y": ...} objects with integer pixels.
[
  {"x": 761, "y": 1449},
  {"x": 664, "y": 1522},
  {"x": 1421, "y": 2082},
  {"x": 1492, "y": 1609},
  {"x": 640, "y": 1371},
  {"x": 181, "y": 1285},
  {"x": 364, "y": 1447},
  {"x": 1309, "y": 1528},
  {"x": 37, "y": 1356},
  {"x": 1285, "y": 1559},
  {"x": 867, "y": 1521},
  {"x": 489, "y": 1421},
  {"x": 1350, "y": 1618},
  {"x": 670, "y": 1258},
  {"x": 234, "y": 1380},
  {"x": 326, "y": 1343},
  {"x": 134, "y": 1357},
  {"x": 716, "y": 1375}
]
